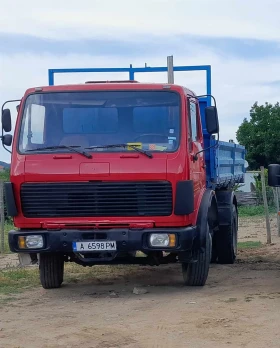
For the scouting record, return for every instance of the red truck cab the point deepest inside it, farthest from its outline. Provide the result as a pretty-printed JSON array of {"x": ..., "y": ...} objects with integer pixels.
[{"x": 100, "y": 171}]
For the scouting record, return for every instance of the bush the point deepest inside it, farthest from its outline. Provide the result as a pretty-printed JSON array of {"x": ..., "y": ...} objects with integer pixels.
[{"x": 5, "y": 175}]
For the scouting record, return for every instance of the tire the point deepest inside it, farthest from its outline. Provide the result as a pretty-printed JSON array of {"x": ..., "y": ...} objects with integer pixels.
[
  {"x": 51, "y": 267},
  {"x": 226, "y": 241},
  {"x": 214, "y": 254},
  {"x": 195, "y": 274}
]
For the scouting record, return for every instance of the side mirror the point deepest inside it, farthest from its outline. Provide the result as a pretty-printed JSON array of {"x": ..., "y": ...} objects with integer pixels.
[
  {"x": 274, "y": 175},
  {"x": 7, "y": 139},
  {"x": 6, "y": 120},
  {"x": 212, "y": 121}
]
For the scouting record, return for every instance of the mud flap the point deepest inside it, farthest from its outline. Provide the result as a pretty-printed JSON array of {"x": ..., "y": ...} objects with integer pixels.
[
  {"x": 26, "y": 260},
  {"x": 203, "y": 217}
]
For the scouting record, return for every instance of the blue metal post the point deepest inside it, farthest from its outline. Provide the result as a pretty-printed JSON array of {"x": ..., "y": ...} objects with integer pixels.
[
  {"x": 131, "y": 73},
  {"x": 208, "y": 84},
  {"x": 233, "y": 159},
  {"x": 51, "y": 77}
]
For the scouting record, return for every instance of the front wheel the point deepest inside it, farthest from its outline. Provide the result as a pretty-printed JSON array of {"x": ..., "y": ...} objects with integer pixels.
[
  {"x": 196, "y": 273},
  {"x": 51, "y": 267}
]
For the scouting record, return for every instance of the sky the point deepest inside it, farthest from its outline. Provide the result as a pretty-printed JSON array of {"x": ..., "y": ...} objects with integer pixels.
[{"x": 239, "y": 39}]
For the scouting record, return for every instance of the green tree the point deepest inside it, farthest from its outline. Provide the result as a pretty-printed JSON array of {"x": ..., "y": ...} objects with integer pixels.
[
  {"x": 5, "y": 175},
  {"x": 261, "y": 135}
]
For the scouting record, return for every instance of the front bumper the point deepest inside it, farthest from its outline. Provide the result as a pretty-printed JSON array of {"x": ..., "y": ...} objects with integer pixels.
[{"x": 127, "y": 239}]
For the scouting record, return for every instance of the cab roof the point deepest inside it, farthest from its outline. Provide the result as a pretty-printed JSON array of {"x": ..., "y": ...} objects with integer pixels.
[{"x": 110, "y": 85}]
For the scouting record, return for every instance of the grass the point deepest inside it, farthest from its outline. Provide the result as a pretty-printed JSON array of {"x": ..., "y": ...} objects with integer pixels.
[
  {"x": 249, "y": 245},
  {"x": 14, "y": 280},
  {"x": 257, "y": 210}
]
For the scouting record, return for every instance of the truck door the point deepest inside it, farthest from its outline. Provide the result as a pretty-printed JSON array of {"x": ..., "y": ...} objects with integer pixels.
[{"x": 195, "y": 142}]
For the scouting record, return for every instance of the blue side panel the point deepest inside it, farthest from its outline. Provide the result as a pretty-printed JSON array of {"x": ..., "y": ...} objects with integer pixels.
[{"x": 229, "y": 160}]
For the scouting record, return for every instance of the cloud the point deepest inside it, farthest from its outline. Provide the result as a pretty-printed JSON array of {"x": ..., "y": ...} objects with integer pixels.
[
  {"x": 123, "y": 18},
  {"x": 226, "y": 47},
  {"x": 275, "y": 83}
]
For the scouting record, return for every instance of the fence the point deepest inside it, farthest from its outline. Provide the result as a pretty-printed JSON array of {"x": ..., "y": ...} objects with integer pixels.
[
  {"x": 247, "y": 198},
  {"x": 265, "y": 199}
]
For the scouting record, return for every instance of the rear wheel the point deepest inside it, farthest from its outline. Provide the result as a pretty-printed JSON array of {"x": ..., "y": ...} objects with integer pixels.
[
  {"x": 226, "y": 241},
  {"x": 51, "y": 268},
  {"x": 196, "y": 273},
  {"x": 214, "y": 254}
]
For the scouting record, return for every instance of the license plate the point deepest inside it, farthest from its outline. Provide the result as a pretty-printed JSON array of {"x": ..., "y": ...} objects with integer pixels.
[{"x": 95, "y": 246}]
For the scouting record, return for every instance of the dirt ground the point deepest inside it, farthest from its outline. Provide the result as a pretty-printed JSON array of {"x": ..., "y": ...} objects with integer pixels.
[{"x": 238, "y": 307}]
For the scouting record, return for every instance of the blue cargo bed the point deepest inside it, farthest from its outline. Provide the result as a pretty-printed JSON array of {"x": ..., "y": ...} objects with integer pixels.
[{"x": 228, "y": 165}]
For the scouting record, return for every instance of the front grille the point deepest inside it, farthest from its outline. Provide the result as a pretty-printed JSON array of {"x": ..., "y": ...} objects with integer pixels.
[{"x": 97, "y": 199}]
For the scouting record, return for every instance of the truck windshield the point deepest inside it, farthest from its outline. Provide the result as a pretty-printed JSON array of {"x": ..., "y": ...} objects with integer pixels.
[{"x": 149, "y": 120}]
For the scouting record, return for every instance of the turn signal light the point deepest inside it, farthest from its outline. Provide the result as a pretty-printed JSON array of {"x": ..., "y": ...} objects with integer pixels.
[{"x": 31, "y": 242}]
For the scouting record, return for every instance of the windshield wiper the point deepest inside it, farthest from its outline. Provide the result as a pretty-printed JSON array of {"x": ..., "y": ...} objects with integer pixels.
[
  {"x": 146, "y": 153},
  {"x": 72, "y": 148}
]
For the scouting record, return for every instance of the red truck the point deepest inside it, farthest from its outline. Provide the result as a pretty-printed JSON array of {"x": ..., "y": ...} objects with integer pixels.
[{"x": 100, "y": 171}]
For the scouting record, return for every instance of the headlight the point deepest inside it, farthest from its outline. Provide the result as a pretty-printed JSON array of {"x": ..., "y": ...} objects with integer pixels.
[
  {"x": 31, "y": 242},
  {"x": 164, "y": 240}
]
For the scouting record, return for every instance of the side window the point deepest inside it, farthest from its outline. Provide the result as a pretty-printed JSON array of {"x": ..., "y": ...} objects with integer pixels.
[
  {"x": 34, "y": 125},
  {"x": 193, "y": 120},
  {"x": 38, "y": 113}
]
